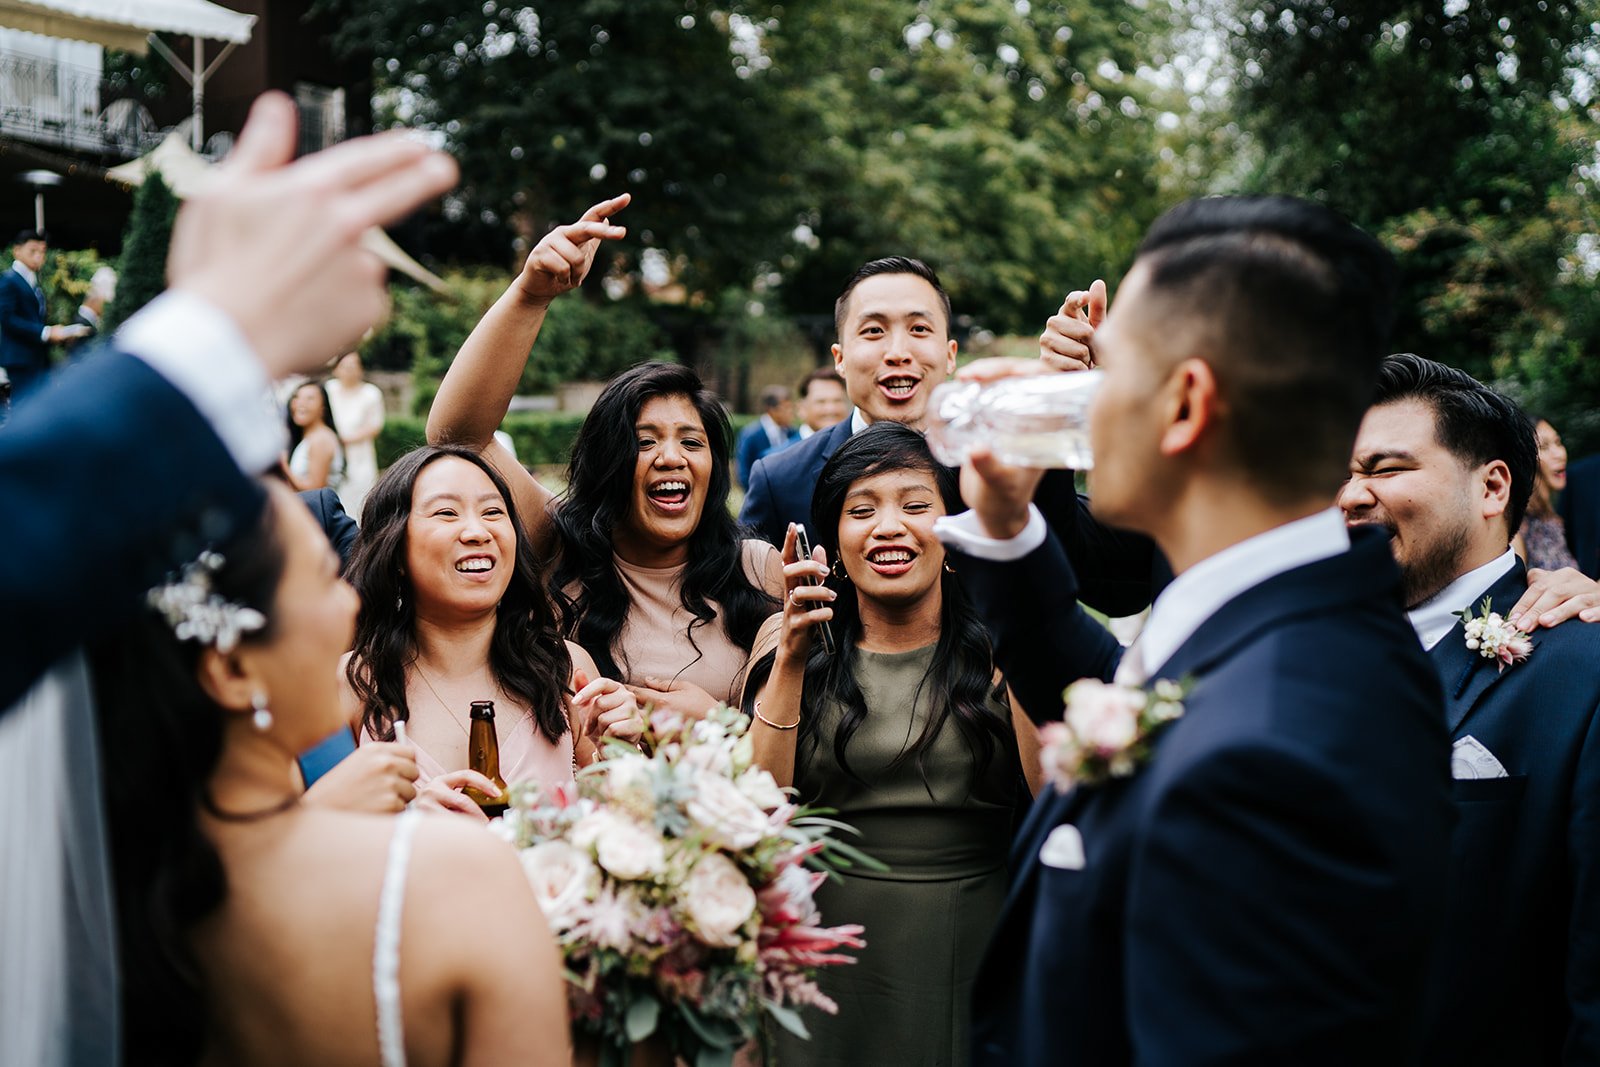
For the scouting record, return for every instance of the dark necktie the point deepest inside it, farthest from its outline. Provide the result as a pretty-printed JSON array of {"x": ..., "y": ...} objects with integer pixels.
[{"x": 38, "y": 294}]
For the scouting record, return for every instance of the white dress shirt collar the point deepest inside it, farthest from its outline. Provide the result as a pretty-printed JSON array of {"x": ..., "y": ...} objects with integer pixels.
[
  {"x": 1196, "y": 594},
  {"x": 777, "y": 436},
  {"x": 1436, "y": 616},
  {"x": 858, "y": 421},
  {"x": 27, "y": 275}
]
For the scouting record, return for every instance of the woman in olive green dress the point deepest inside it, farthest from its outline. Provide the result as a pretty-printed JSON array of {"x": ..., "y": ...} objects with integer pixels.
[{"x": 908, "y": 732}]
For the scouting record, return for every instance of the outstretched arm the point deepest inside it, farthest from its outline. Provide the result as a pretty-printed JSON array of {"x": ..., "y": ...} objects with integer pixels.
[{"x": 478, "y": 387}]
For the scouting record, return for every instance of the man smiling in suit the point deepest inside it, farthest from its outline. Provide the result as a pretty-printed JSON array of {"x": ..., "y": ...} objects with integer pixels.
[
  {"x": 893, "y": 323},
  {"x": 1265, "y": 886},
  {"x": 1445, "y": 466}
]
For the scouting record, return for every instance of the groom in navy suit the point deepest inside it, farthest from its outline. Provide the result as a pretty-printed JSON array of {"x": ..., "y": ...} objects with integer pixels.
[
  {"x": 1445, "y": 466},
  {"x": 1265, "y": 885},
  {"x": 893, "y": 323}
]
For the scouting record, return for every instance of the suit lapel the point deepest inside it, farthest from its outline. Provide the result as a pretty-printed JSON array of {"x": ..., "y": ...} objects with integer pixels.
[{"x": 1465, "y": 675}]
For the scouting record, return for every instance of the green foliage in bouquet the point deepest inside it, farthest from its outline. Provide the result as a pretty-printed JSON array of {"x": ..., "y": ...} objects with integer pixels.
[{"x": 679, "y": 885}]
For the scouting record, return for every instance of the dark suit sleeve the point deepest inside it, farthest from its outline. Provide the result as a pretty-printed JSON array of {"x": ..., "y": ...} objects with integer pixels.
[
  {"x": 1043, "y": 639},
  {"x": 19, "y": 319},
  {"x": 1247, "y": 892},
  {"x": 745, "y": 456},
  {"x": 1583, "y": 940},
  {"x": 1117, "y": 569},
  {"x": 760, "y": 511},
  {"x": 111, "y": 478},
  {"x": 334, "y": 520}
]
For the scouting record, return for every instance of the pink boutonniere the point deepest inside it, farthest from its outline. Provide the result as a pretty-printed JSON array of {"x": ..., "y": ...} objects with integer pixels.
[
  {"x": 1493, "y": 638},
  {"x": 1106, "y": 731}
]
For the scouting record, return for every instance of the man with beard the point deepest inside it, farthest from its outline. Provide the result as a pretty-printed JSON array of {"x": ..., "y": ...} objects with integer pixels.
[{"x": 1445, "y": 466}]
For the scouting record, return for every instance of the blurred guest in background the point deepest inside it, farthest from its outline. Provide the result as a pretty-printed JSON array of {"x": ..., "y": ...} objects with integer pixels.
[
  {"x": 102, "y": 290},
  {"x": 772, "y": 432},
  {"x": 357, "y": 408},
  {"x": 25, "y": 339},
  {"x": 316, "y": 458},
  {"x": 1542, "y": 540},
  {"x": 823, "y": 401}
]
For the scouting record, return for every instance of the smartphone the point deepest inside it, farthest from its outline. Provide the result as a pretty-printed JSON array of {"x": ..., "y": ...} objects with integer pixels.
[{"x": 802, "y": 545}]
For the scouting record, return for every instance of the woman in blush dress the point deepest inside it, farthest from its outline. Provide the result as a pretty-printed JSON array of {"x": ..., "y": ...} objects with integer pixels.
[
  {"x": 254, "y": 928},
  {"x": 453, "y": 611},
  {"x": 651, "y": 572}
]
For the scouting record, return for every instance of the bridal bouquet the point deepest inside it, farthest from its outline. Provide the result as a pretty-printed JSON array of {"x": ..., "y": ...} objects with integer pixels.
[{"x": 679, "y": 886}]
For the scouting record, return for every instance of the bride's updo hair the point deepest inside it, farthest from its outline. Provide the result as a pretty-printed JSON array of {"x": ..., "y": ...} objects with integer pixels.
[{"x": 160, "y": 740}]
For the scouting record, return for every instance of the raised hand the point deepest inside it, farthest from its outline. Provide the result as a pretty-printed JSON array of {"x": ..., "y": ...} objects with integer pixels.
[
  {"x": 275, "y": 243},
  {"x": 379, "y": 777},
  {"x": 1067, "y": 343},
  {"x": 806, "y": 601},
  {"x": 562, "y": 260}
]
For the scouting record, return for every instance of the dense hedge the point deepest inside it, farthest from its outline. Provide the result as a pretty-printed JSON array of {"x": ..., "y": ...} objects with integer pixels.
[{"x": 542, "y": 438}]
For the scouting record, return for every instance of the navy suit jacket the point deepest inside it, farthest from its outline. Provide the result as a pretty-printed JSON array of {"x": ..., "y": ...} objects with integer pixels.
[
  {"x": 1267, "y": 889},
  {"x": 1580, "y": 511},
  {"x": 328, "y": 510},
  {"x": 754, "y": 443},
  {"x": 22, "y": 353},
  {"x": 111, "y": 479},
  {"x": 1520, "y": 974},
  {"x": 1120, "y": 569}
]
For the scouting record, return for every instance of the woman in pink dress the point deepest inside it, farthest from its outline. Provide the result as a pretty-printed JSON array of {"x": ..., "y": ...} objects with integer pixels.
[{"x": 453, "y": 612}]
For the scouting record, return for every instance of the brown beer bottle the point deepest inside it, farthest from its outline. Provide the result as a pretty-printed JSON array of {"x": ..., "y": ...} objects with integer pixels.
[{"x": 483, "y": 756}]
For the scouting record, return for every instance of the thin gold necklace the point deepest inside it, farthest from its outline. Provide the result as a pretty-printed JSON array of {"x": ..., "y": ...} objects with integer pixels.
[{"x": 447, "y": 709}]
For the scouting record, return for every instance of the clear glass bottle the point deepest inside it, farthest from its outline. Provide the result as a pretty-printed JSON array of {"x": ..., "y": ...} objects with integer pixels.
[{"x": 1035, "y": 421}]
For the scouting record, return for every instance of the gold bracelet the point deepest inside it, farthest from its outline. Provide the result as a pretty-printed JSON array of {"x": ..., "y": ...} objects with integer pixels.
[{"x": 769, "y": 722}]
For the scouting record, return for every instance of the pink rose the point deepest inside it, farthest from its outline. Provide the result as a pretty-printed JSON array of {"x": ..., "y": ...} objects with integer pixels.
[
  {"x": 717, "y": 900},
  {"x": 563, "y": 880},
  {"x": 728, "y": 817},
  {"x": 1103, "y": 717}
]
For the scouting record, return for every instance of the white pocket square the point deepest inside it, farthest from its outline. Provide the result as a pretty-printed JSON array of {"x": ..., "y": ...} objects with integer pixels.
[
  {"x": 1470, "y": 759},
  {"x": 1063, "y": 849}
]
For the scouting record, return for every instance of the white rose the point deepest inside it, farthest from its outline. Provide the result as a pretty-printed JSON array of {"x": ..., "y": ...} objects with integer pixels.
[
  {"x": 761, "y": 788},
  {"x": 726, "y": 814},
  {"x": 630, "y": 784},
  {"x": 713, "y": 756},
  {"x": 630, "y": 850},
  {"x": 563, "y": 879},
  {"x": 717, "y": 900},
  {"x": 1102, "y": 718}
]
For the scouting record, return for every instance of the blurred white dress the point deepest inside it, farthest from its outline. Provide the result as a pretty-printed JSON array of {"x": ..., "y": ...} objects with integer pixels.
[{"x": 357, "y": 411}]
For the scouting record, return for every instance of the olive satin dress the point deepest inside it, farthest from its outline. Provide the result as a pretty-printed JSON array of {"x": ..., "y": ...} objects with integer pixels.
[{"x": 945, "y": 838}]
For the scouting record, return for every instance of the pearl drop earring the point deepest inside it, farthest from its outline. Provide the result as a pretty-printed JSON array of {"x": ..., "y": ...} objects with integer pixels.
[{"x": 262, "y": 719}]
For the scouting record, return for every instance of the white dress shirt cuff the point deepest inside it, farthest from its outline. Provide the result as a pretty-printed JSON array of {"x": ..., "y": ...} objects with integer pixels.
[
  {"x": 965, "y": 532},
  {"x": 201, "y": 352}
]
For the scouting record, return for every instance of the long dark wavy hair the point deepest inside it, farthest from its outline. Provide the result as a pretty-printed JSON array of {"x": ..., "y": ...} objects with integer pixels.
[
  {"x": 600, "y": 486},
  {"x": 961, "y": 678},
  {"x": 160, "y": 741},
  {"x": 296, "y": 433},
  {"x": 527, "y": 655}
]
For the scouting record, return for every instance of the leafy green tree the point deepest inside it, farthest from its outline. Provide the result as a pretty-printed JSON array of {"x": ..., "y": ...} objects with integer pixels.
[
  {"x": 142, "y": 270},
  {"x": 1459, "y": 133}
]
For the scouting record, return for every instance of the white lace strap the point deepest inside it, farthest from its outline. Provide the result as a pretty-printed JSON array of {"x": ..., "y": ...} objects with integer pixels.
[{"x": 386, "y": 948}]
